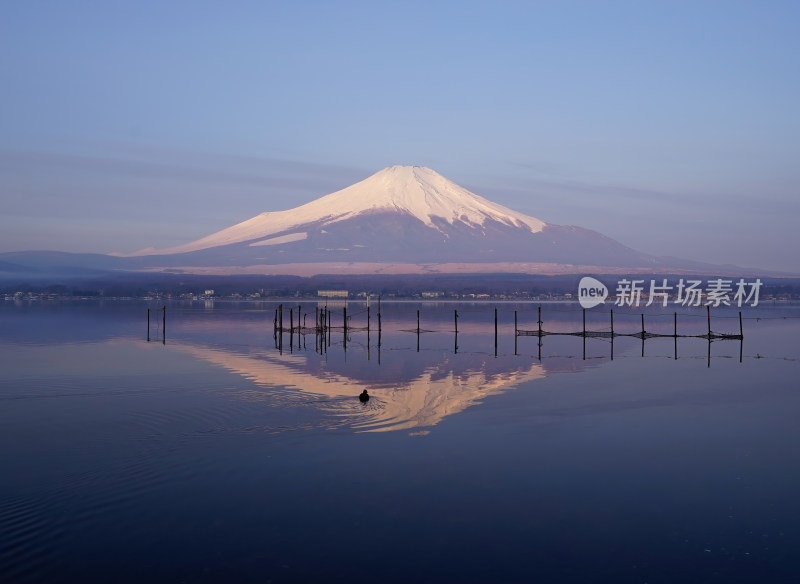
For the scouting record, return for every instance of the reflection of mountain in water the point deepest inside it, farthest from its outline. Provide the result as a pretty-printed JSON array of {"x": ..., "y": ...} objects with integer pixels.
[{"x": 414, "y": 400}]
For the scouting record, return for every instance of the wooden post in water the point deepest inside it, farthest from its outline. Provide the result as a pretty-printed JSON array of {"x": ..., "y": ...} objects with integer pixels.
[
  {"x": 708, "y": 313},
  {"x": 495, "y": 332},
  {"x": 612, "y": 331},
  {"x": 515, "y": 332},
  {"x": 540, "y": 324},
  {"x": 368, "y": 318},
  {"x": 164, "y": 326},
  {"x": 741, "y": 330},
  {"x": 584, "y": 333},
  {"x": 148, "y": 325},
  {"x": 675, "y": 333},
  {"x": 643, "y": 334},
  {"x": 455, "y": 340},
  {"x": 280, "y": 328}
]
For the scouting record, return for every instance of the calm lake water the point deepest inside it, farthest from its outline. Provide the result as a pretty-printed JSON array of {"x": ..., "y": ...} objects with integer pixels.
[{"x": 218, "y": 457}]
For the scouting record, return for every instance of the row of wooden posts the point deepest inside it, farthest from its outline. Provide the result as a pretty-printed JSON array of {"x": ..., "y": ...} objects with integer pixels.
[
  {"x": 644, "y": 334},
  {"x": 323, "y": 327}
]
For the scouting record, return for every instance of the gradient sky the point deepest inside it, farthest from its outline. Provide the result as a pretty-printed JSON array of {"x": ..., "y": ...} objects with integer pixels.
[{"x": 672, "y": 127}]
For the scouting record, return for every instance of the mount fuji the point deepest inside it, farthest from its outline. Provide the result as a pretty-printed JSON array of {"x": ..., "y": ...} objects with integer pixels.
[{"x": 400, "y": 220}]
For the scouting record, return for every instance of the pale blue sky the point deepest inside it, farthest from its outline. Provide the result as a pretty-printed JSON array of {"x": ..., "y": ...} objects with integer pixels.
[{"x": 669, "y": 126}]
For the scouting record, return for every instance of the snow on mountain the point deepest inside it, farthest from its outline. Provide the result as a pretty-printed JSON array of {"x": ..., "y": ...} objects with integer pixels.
[{"x": 414, "y": 191}]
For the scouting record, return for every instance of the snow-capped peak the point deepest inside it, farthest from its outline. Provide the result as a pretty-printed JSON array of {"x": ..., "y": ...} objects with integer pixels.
[
  {"x": 412, "y": 190},
  {"x": 423, "y": 193}
]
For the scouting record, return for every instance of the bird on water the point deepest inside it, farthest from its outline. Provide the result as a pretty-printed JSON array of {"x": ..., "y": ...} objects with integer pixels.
[{"x": 364, "y": 396}]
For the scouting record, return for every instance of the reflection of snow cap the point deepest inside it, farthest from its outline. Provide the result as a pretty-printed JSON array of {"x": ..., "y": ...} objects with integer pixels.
[
  {"x": 422, "y": 400},
  {"x": 591, "y": 292}
]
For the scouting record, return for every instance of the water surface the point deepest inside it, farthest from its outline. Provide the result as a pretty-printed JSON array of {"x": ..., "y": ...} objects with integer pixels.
[{"x": 217, "y": 456}]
